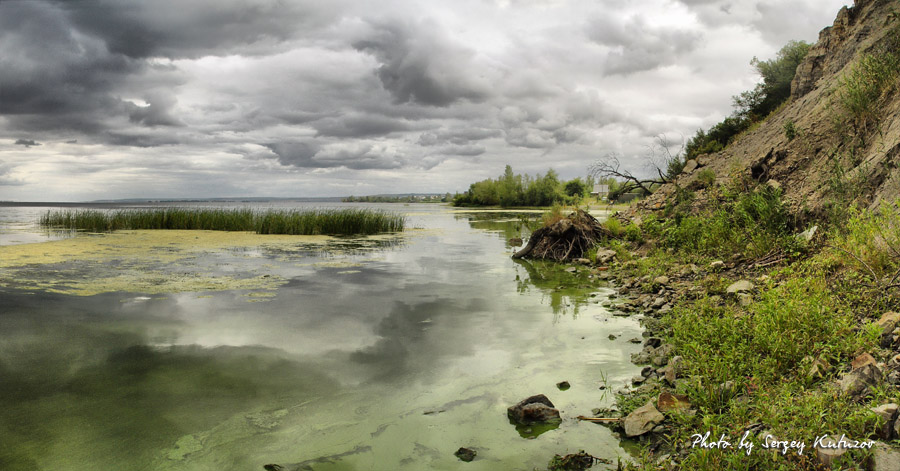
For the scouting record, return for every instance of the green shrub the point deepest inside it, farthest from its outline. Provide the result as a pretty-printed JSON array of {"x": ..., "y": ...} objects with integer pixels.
[{"x": 706, "y": 177}]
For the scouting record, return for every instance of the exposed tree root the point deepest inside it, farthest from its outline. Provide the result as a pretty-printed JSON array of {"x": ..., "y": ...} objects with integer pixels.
[{"x": 566, "y": 239}]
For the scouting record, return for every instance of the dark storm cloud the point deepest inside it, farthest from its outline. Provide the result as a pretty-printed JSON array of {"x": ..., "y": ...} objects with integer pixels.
[
  {"x": 359, "y": 125},
  {"x": 313, "y": 155},
  {"x": 52, "y": 72},
  {"x": 156, "y": 113},
  {"x": 638, "y": 46},
  {"x": 418, "y": 64},
  {"x": 458, "y": 136},
  {"x": 26, "y": 142},
  {"x": 179, "y": 29}
]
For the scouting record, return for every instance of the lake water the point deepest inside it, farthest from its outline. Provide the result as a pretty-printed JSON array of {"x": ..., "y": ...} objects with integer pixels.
[{"x": 373, "y": 353}]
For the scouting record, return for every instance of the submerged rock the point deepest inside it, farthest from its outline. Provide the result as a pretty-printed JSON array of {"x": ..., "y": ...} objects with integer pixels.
[
  {"x": 465, "y": 454},
  {"x": 563, "y": 385},
  {"x": 535, "y": 409}
]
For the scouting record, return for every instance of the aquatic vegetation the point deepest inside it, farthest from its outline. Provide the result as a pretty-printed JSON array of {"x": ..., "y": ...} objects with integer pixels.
[{"x": 294, "y": 222}]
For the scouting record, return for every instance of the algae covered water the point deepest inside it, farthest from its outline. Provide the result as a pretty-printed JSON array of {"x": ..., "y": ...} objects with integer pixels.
[{"x": 195, "y": 351}]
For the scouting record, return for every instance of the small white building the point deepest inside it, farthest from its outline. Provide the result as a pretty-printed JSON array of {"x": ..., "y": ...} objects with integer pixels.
[{"x": 600, "y": 191}]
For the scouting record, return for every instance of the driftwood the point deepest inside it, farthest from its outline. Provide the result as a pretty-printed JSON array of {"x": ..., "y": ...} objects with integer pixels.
[{"x": 566, "y": 239}]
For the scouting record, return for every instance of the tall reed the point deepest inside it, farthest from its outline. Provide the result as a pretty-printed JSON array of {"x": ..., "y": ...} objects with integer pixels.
[{"x": 298, "y": 222}]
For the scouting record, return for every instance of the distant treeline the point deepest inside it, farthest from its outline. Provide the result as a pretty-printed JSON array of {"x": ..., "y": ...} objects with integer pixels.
[
  {"x": 399, "y": 199},
  {"x": 511, "y": 189}
]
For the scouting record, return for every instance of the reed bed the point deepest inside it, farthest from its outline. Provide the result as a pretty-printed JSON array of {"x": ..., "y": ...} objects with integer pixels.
[{"x": 296, "y": 222}]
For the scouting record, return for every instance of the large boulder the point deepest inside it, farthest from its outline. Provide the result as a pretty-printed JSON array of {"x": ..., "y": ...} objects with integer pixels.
[{"x": 535, "y": 409}]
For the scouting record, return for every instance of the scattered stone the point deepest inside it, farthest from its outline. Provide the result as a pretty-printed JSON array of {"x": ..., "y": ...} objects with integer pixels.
[
  {"x": 563, "y": 385},
  {"x": 571, "y": 270},
  {"x": 888, "y": 415},
  {"x": 739, "y": 287},
  {"x": 857, "y": 383},
  {"x": 465, "y": 454},
  {"x": 658, "y": 302},
  {"x": 886, "y": 458},
  {"x": 574, "y": 462},
  {"x": 894, "y": 377},
  {"x": 637, "y": 380},
  {"x": 689, "y": 166},
  {"x": 819, "y": 368},
  {"x": 888, "y": 322},
  {"x": 647, "y": 371},
  {"x": 653, "y": 342},
  {"x": 807, "y": 235},
  {"x": 674, "y": 369},
  {"x": 661, "y": 280},
  {"x": 273, "y": 467},
  {"x": 717, "y": 265},
  {"x": 612, "y": 337},
  {"x": 635, "y": 340},
  {"x": 583, "y": 261},
  {"x": 861, "y": 361},
  {"x": 668, "y": 401},
  {"x": 605, "y": 256},
  {"x": 535, "y": 409},
  {"x": 661, "y": 355},
  {"x": 827, "y": 455},
  {"x": 642, "y": 420},
  {"x": 744, "y": 299}
]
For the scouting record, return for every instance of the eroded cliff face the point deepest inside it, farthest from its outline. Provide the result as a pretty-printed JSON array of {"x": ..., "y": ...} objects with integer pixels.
[{"x": 827, "y": 146}]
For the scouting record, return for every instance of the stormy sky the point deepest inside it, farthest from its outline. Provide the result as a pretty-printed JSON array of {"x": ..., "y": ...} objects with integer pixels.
[{"x": 171, "y": 98}]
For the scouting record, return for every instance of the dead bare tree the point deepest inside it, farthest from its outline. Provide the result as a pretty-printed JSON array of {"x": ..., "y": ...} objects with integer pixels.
[{"x": 659, "y": 160}]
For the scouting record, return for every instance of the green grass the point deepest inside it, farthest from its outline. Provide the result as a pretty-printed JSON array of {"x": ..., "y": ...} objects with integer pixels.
[
  {"x": 295, "y": 222},
  {"x": 818, "y": 306}
]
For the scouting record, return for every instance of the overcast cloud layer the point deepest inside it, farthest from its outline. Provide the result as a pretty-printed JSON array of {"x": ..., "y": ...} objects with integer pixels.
[{"x": 166, "y": 98}]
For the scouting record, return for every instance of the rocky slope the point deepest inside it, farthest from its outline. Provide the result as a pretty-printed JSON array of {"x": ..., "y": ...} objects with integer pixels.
[{"x": 813, "y": 147}]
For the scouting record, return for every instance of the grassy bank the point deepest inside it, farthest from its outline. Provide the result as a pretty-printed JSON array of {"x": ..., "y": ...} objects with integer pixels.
[
  {"x": 767, "y": 361},
  {"x": 294, "y": 222}
]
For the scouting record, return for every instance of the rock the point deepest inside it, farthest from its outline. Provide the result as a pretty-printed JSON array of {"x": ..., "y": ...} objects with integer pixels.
[
  {"x": 642, "y": 420},
  {"x": 739, "y": 287},
  {"x": 635, "y": 340},
  {"x": 857, "y": 383},
  {"x": 563, "y": 385},
  {"x": 535, "y": 409},
  {"x": 861, "y": 361},
  {"x": 668, "y": 401},
  {"x": 887, "y": 414},
  {"x": 886, "y": 458},
  {"x": 583, "y": 261},
  {"x": 653, "y": 342},
  {"x": 571, "y": 270},
  {"x": 661, "y": 280},
  {"x": 744, "y": 299},
  {"x": 637, "y": 380},
  {"x": 807, "y": 235},
  {"x": 888, "y": 322},
  {"x": 818, "y": 369},
  {"x": 689, "y": 166},
  {"x": 647, "y": 371},
  {"x": 674, "y": 369},
  {"x": 773, "y": 183},
  {"x": 465, "y": 454},
  {"x": 658, "y": 302},
  {"x": 661, "y": 355},
  {"x": 612, "y": 337},
  {"x": 605, "y": 256},
  {"x": 640, "y": 358},
  {"x": 827, "y": 455},
  {"x": 717, "y": 265}
]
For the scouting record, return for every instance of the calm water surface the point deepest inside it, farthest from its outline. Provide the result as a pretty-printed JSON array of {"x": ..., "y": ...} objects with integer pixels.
[{"x": 383, "y": 354}]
